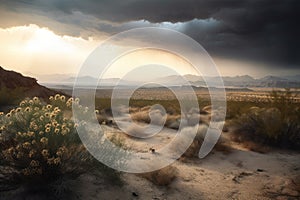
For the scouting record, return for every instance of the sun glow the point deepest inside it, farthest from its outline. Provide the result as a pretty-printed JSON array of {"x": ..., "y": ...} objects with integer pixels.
[
  {"x": 39, "y": 50},
  {"x": 45, "y": 40}
]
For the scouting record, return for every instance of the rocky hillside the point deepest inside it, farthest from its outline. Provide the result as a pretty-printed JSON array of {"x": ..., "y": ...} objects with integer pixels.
[{"x": 14, "y": 87}]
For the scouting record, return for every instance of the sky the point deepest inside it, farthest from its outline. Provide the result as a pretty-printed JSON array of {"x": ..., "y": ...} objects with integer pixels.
[{"x": 255, "y": 37}]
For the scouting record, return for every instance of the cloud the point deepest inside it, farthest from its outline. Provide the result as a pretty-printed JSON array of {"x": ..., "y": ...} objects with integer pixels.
[
  {"x": 262, "y": 31},
  {"x": 128, "y": 10},
  {"x": 41, "y": 51}
]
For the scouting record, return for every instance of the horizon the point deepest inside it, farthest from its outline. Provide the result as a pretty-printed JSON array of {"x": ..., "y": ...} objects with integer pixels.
[
  {"x": 194, "y": 80},
  {"x": 73, "y": 75}
]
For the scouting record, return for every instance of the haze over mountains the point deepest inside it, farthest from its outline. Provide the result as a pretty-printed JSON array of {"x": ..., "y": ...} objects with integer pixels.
[{"x": 175, "y": 80}]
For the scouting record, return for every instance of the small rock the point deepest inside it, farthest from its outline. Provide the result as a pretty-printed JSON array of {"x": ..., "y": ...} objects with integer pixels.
[
  {"x": 260, "y": 170},
  {"x": 135, "y": 194},
  {"x": 152, "y": 150},
  {"x": 235, "y": 179}
]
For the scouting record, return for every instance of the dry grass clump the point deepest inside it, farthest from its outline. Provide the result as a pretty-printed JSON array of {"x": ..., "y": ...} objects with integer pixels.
[
  {"x": 145, "y": 115},
  {"x": 149, "y": 115},
  {"x": 193, "y": 150},
  {"x": 162, "y": 177},
  {"x": 173, "y": 121},
  {"x": 141, "y": 116}
]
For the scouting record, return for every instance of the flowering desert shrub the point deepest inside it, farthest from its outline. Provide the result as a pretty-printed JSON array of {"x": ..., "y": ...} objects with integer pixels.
[{"x": 39, "y": 144}]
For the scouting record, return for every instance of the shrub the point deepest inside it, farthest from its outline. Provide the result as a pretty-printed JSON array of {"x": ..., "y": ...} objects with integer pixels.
[
  {"x": 40, "y": 145},
  {"x": 161, "y": 177},
  {"x": 236, "y": 108},
  {"x": 141, "y": 116},
  {"x": 192, "y": 151},
  {"x": 277, "y": 125}
]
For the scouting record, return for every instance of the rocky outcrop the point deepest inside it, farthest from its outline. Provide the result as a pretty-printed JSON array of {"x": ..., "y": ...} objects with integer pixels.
[{"x": 14, "y": 86}]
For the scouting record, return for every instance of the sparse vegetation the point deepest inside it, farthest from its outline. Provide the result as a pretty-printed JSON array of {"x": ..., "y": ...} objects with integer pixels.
[
  {"x": 172, "y": 106},
  {"x": 276, "y": 124},
  {"x": 237, "y": 108}
]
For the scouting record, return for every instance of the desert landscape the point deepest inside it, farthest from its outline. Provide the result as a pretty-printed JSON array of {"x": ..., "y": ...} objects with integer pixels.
[
  {"x": 253, "y": 159},
  {"x": 149, "y": 100}
]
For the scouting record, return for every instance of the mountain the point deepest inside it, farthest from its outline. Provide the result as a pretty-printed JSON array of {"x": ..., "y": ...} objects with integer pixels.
[
  {"x": 175, "y": 80},
  {"x": 83, "y": 80},
  {"x": 50, "y": 78},
  {"x": 91, "y": 81},
  {"x": 275, "y": 81},
  {"x": 234, "y": 81},
  {"x": 295, "y": 78},
  {"x": 192, "y": 78},
  {"x": 272, "y": 78},
  {"x": 60, "y": 80},
  {"x": 14, "y": 87},
  {"x": 88, "y": 80},
  {"x": 239, "y": 79}
]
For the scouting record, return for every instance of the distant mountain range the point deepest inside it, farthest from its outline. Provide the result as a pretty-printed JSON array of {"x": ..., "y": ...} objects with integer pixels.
[
  {"x": 14, "y": 86},
  {"x": 248, "y": 81},
  {"x": 175, "y": 80}
]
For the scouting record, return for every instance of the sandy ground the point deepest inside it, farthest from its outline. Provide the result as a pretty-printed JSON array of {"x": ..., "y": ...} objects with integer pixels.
[
  {"x": 241, "y": 174},
  {"x": 218, "y": 176}
]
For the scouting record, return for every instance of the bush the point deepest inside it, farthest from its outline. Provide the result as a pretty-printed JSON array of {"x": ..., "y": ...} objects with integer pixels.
[
  {"x": 192, "y": 151},
  {"x": 162, "y": 177},
  {"x": 277, "y": 125},
  {"x": 40, "y": 145}
]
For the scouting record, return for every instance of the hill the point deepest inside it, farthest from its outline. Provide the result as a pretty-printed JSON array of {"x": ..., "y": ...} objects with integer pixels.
[{"x": 14, "y": 87}]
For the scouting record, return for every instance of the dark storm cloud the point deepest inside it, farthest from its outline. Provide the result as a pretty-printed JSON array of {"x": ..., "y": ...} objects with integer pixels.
[
  {"x": 129, "y": 10},
  {"x": 257, "y": 30}
]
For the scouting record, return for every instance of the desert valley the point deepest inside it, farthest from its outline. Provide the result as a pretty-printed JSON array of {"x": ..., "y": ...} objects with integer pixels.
[{"x": 248, "y": 162}]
